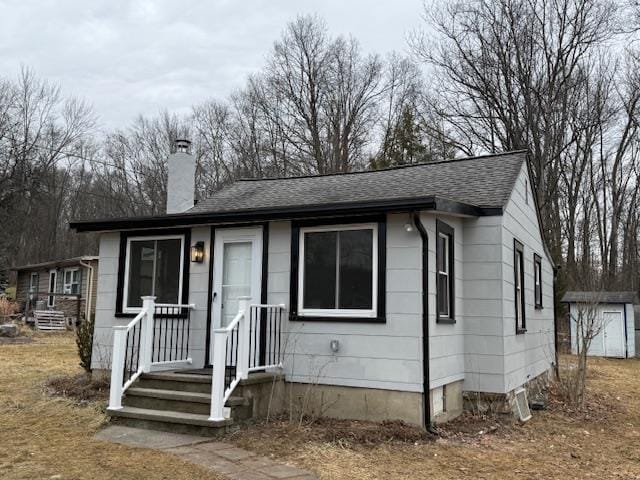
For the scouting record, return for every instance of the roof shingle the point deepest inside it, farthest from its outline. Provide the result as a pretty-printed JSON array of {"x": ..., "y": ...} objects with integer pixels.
[
  {"x": 485, "y": 181},
  {"x": 600, "y": 297}
]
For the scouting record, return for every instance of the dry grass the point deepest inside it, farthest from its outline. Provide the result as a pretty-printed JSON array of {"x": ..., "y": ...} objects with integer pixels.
[
  {"x": 602, "y": 441},
  {"x": 43, "y": 436}
]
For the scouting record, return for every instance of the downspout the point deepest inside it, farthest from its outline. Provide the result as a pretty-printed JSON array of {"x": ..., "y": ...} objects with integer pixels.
[
  {"x": 426, "y": 379},
  {"x": 87, "y": 306}
]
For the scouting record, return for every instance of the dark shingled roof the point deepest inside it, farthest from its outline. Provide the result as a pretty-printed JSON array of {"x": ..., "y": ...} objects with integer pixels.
[
  {"x": 600, "y": 297},
  {"x": 485, "y": 181}
]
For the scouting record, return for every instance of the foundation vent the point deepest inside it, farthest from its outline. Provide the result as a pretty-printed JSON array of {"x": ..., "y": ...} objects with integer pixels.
[{"x": 522, "y": 405}]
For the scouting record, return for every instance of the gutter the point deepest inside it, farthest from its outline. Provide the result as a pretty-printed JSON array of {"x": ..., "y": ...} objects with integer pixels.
[
  {"x": 426, "y": 377},
  {"x": 286, "y": 213},
  {"x": 89, "y": 289}
]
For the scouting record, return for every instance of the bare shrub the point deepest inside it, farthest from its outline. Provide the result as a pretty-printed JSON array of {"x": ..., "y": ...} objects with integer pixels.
[{"x": 7, "y": 310}]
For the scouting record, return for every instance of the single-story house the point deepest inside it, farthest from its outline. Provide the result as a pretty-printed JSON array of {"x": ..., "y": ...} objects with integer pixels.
[
  {"x": 68, "y": 285},
  {"x": 385, "y": 294},
  {"x": 611, "y": 315}
]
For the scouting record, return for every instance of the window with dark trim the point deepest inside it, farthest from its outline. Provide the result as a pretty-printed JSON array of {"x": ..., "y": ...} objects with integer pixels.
[
  {"x": 338, "y": 271},
  {"x": 518, "y": 274},
  {"x": 537, "y": 280},
  {"x": 155, "y": 265},
  {"x": 445, "y": 275}
]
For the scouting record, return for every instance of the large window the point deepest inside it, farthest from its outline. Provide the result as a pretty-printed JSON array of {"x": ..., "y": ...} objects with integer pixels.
[
  {"x": 537, "y": 279},
  {"x": 71, "y": 281},
  {"x": 445, "y": 280},
  {"x": 518, "y": 274},
  {"x": 338, "y": 271},
  {"x": 153, "y": 266}
]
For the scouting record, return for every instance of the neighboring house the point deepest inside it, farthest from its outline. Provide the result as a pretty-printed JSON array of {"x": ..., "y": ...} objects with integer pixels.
[
  {"x": 68, "y": 285},
  {"x": 613, "y": 315},
  {"x": 388, "y": 284}
]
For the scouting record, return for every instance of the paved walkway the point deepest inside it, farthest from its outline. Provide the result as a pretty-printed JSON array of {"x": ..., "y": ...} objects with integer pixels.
[{"x": 220, "y": 457}]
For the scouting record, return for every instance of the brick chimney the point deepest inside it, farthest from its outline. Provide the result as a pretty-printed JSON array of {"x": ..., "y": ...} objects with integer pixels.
[{"x": 182, "y": 178}]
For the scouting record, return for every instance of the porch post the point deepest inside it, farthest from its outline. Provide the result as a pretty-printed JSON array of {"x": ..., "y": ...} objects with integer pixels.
[
  {"x": 217, "y": 377},
  {"x": 243, "y": 337},
  {"x": 146, "y": 350},
  {"x": 117, "y": 367}
]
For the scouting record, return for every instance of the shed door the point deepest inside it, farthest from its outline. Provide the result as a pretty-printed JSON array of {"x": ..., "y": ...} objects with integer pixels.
[{"x": 613, "y": 334}]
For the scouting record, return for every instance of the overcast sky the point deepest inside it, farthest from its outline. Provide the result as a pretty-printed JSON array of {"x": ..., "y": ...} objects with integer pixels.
[{"x": 136, "y": 57}]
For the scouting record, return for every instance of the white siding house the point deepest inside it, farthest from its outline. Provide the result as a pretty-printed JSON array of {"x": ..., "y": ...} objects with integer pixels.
[{"x": 463, "y": 219}]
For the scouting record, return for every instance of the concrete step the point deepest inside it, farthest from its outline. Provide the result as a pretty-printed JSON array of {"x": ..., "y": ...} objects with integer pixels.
[
  {"x": 181, "y": 401},
  {"x": 181, "y": 382},
  {"x": 169, "y": 421}
]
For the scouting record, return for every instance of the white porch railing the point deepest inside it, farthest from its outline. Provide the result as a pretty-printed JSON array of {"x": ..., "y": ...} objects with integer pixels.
[
  {"x": 252, "y": 341},
  {"x": 143, "y": 343}
]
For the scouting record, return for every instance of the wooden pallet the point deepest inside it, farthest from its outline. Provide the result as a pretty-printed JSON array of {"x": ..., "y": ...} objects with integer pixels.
[{"x": 50, "y": 320}]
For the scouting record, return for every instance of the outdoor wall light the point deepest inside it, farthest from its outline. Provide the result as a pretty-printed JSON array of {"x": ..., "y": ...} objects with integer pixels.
[
  {"x": 408, "y": 227},
  {"x": 197, "y": 252}
]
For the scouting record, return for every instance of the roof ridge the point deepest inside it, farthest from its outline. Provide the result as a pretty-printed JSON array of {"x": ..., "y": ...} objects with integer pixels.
[{"x": 386, "y": 169}]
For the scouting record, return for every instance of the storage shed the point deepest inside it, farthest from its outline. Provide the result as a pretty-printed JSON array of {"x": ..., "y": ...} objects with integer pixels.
[{"x": 615, "y": 316}]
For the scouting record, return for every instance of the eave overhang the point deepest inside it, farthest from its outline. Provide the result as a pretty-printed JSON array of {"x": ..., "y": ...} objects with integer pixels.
[{"x": 285, "y": 213}]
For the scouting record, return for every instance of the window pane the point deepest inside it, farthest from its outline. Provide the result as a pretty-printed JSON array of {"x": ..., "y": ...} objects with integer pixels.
[
  {"x": 319, "y": 270},
  {"x": 236, "y": 278},
  {"x": 441, "y": 253},
  {"x": 356, "y": 269},
  {"x": 443, "y": 294},
  {"x": 167, "y": 281},
  {"x": 140, "y": 280}
]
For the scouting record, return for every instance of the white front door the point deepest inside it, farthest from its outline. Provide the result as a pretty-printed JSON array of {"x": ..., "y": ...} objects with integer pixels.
[
  {"x": 613, "y": 334},
  {"x": 237, "y": 271}
]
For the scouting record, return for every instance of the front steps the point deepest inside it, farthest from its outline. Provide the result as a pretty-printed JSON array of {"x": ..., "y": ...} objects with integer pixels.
[{"x": 181, "y": 403}]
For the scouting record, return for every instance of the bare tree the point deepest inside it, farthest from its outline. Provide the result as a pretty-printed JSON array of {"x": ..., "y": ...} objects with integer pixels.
[
  {"x": 587, "y": 323},
  {"x": 510, "y": 74}
]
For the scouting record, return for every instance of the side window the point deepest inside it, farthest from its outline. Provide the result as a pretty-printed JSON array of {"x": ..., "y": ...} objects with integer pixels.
[
  {"x": 537, "y": 280},
  {"x": 71, "y": 281},
  {"x": 518, "y": 274},
  {"x": 445, "y": 280}
]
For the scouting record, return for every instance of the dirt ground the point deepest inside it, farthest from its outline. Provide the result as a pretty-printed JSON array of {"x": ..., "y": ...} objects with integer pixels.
[
  {"x": 43, "y": 437},
  {"x": 601, "y": 442},
  {"x": 51, "y": 437}
]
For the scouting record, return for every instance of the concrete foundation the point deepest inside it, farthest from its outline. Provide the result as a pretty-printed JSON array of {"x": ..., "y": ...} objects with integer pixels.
[
  {"x": 504, "y": 403},
  {"x": 353, "y": 403}
]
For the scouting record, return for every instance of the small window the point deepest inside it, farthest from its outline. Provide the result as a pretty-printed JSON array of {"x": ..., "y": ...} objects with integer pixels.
[
  {"x": 537, "y": 279},
  {"x": 153, "y": 267},
  {"x": 518, "y": 270},
  {"x": 71, "y": 281},
  {"x": 445, "y": 294},
  {"x": 526, "y": 192},
  {"x": 338, "y": 271},
  {"x": 34, "y": 280}
]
